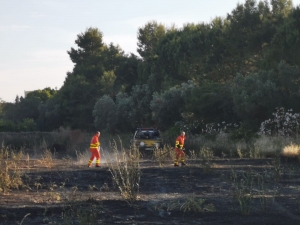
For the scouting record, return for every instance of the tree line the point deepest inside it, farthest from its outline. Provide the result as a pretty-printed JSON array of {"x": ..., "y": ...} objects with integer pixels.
[{"x": 234, "y": 70}]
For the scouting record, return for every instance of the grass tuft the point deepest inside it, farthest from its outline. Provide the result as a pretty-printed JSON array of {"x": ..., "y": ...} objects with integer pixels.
[{"x": 124, "y": 167}]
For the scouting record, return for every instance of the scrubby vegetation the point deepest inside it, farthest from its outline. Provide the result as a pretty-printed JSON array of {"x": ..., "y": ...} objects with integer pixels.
[
  {"x": 232, "y": 85},
  {"x": 220, "y": 179},
  {"x": 235, "y": 70}
]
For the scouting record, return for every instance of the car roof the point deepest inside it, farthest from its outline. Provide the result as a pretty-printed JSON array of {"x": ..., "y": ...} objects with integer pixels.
[{"x": 146, "y": 129}]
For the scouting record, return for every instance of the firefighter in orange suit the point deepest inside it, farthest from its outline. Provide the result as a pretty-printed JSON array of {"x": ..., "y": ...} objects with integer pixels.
[
  {"x": 95, "y": 150},
  {"x": 179, "y": 149}
]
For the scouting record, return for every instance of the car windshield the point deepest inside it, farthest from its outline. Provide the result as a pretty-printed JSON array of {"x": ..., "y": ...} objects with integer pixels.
[{"x": 147, "y": 134}]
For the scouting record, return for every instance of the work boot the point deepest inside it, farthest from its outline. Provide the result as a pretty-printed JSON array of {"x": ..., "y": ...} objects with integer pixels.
[
  {"x": 176, "y": 162},
  {"x": 183, "y": 163},
  {"x": 97, "y": 165}
]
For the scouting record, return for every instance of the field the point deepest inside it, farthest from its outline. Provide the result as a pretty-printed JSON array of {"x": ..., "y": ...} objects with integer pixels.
[{"x": 209, "y": 190}]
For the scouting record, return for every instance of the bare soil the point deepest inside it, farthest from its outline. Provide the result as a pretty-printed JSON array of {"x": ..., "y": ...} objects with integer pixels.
[{"x": 69, "y": 193}]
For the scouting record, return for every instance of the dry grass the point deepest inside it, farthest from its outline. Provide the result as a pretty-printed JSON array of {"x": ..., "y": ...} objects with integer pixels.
[
  {"x": 125, "y": 170},
  {"x": 292, "y": 150},
  {"x": 47, "y": 159},
  {"x": 270, "y": 146},
  {"x": 206, "y": 155},
  {"x": 124, "y": 165},
  {"x": 221, "y": 143},
  {"x": 83, "y": 157},
  {"x": 10, "y": 175},
  {"x": 164, "y": 155},
  {"x": 193, "y": 155}
]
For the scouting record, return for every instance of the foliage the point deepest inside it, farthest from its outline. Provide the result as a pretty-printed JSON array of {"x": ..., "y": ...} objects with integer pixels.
[
  {"x": 24, "y": 114},
  {"x": 50, "y": 117},
  {"x": 168, "y": 106},
  {"x": 105, "y": 114},
  {"x": 286, "y": 37},
  {"x": 282, "y": 7},
  {"x": 185, "y": 54},
  {"x": 127, "y": 73},
  {"x": 243, "y": 66},
  {"x": 7, "y": 125},
  {"x": 107, "y": 81},
  {"x": 148, "y": 38},
  {"x": 284, "y": 123},
  {"x": 28, "y": 124},
  {"x": 251, "y": 28},
  {"x": 6, "y": 110},
  {"x": 140, "y": 112},
  {"x": 212, "y": 102},
  {"x": 42, "y": 95},
  {"x": 94, "y": 75},
  {"x": 124, "y": 105},
  {"x": 287, "y": 81},
  {"x": 255, "y": 96},
  {"x": 89, "y": 44},
  {"x": 189, "y": 123}
]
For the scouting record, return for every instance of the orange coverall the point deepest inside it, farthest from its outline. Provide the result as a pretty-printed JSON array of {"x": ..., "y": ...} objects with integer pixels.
[
  {"x": 94, "y": 149},
  {"x": 179, "y": 149}
]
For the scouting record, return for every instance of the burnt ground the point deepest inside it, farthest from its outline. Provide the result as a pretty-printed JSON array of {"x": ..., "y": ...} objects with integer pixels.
[{"x": 69, "y": 193}]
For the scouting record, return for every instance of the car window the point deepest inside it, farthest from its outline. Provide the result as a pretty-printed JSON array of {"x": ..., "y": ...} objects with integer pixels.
[
  {"x": 147, "y": 134},
  {"x": 156, "y": 134}
]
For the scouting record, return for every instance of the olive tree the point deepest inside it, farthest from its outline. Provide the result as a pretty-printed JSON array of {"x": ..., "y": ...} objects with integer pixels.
[
  {"x": 105, "y": 115},
  {"x": 124, "y": 105},
  {"x": 167, "y": 107},
  {"x": 255, "y": 96}
]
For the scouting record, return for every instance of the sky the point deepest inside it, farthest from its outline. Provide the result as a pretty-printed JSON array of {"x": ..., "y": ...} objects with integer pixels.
[{"x": 35, "y": 35}]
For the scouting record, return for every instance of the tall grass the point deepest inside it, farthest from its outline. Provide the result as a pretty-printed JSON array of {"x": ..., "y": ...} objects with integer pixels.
[
  {"x": 164, "y": 155},
  {"x": 243, "y": 190},
  {"x": 291, "y": 150},
  {"x": 259, "y": 147},
  {"x": 124, "y": 166},
  {"x": 10, "y": 175},
  {"x": 47, "y": 159},
  {"x": 220, "y": 144},
  {"x": 65, "y": 141},
  {"x": 206, "y": 156}
]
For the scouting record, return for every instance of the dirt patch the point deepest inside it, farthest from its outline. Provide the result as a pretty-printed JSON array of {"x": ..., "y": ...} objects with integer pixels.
[{"x": 228, "y": 191}]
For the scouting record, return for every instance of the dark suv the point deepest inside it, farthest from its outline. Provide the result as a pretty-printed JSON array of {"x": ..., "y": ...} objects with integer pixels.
[{"x": 147, "y": 139}]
